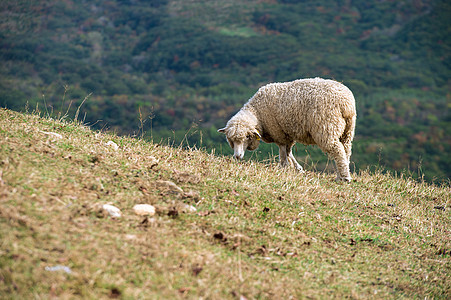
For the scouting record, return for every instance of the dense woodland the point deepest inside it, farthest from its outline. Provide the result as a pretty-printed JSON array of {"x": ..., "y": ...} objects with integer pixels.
[{"x": 176, "y": 70}]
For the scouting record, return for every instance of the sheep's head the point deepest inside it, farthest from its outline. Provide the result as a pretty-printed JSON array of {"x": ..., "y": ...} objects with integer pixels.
[{"x": 241, "y": 138}]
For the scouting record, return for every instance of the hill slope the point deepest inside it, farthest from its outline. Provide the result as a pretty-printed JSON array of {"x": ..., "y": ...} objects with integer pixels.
[
  {"x": 223, "y": 229},
  {"x": 196, "y": 62}
]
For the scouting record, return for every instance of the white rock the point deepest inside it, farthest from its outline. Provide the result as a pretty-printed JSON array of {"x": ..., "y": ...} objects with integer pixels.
[
  {"x": 54, "y": 134},
  {"x": 130, "y": 237},
  {"x": 190, "y": 208},
  {"x": 59, "y": 268},
  {"x": 113, "y": 145},
  {"x": 144, "y": 209},
  {"x": 113, "y": 211}
]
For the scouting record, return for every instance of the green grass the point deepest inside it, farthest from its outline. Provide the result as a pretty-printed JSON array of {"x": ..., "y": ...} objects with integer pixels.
[
  {"x": 259, "y": 231},
  {"x": 240, "y": 31}
]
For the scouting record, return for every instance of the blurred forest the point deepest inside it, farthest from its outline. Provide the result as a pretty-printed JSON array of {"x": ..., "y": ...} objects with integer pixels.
[{"x": 175, "y": 71}]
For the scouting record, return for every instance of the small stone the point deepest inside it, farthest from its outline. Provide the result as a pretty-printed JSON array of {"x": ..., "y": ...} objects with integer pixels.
[
  {"x": 54, "y": 134},
  {"x": 144, "y": 209},
  {"x": 190, "y": 208},
  {"x": 168, "y": 186},
  {"x": 186, "y": 177},
  {"x": 191, "y": 194},
  {"x": 152, "y": 162},
  {"x": 113, "y": 211},
  {"x": 59, "y": 268},
  {"x": 112, "y": 145},
  {"x": 130, "y": 237}
]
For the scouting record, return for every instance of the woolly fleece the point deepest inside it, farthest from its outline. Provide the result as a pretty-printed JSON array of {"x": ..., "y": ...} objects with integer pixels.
[{"x": 312, "y": 111}]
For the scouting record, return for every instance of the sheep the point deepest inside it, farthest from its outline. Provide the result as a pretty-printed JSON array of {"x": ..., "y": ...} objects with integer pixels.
[{"x": 311, "y": 111}]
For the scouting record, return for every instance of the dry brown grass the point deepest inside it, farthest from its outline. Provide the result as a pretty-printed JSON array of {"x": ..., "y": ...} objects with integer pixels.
[{"x": 258, "y": 232}]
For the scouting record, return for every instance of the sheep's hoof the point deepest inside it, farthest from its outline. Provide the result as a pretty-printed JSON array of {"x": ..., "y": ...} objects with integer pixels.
[
  {"x": 343, "y": 179},
  {"x": 288, "y": 165},
  {"x": 300, "y": 169}
]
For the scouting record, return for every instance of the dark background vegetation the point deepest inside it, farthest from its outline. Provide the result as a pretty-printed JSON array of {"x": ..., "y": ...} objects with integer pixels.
[{"x": 185, "y": 67}]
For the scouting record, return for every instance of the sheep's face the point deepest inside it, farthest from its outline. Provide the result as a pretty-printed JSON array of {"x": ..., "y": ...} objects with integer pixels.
[{"x": 241, "y": 140}]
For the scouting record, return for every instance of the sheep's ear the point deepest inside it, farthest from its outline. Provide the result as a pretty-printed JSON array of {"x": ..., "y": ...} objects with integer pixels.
[{"x": 222, "y": 130}]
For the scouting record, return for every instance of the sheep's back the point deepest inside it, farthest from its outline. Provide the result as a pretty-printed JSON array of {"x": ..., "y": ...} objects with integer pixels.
[{"x": 300, "y": 107}]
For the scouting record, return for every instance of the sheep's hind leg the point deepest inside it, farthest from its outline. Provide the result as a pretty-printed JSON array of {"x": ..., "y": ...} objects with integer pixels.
[{"x": 337, "y": 151}]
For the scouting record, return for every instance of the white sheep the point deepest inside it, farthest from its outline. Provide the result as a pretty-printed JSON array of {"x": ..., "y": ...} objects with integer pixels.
[{"x": 312, "y": 111}]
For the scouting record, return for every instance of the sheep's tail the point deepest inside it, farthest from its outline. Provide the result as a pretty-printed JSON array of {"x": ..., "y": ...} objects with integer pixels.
[
  {"x": 349, "y": 115},
  {"x": 348, "y": 134}
]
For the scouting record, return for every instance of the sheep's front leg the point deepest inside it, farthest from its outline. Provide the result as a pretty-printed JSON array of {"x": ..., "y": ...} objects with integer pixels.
[
  {"x": 283, "y": 156},
  {"x": 293, "y": 160},
  {"x": 286, "y": 158}
]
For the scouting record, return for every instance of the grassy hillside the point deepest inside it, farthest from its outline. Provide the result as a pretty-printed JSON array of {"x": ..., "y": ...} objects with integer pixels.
[
  {"x": 223, "y": 229},
  {"x": 194, "y": 63}
]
